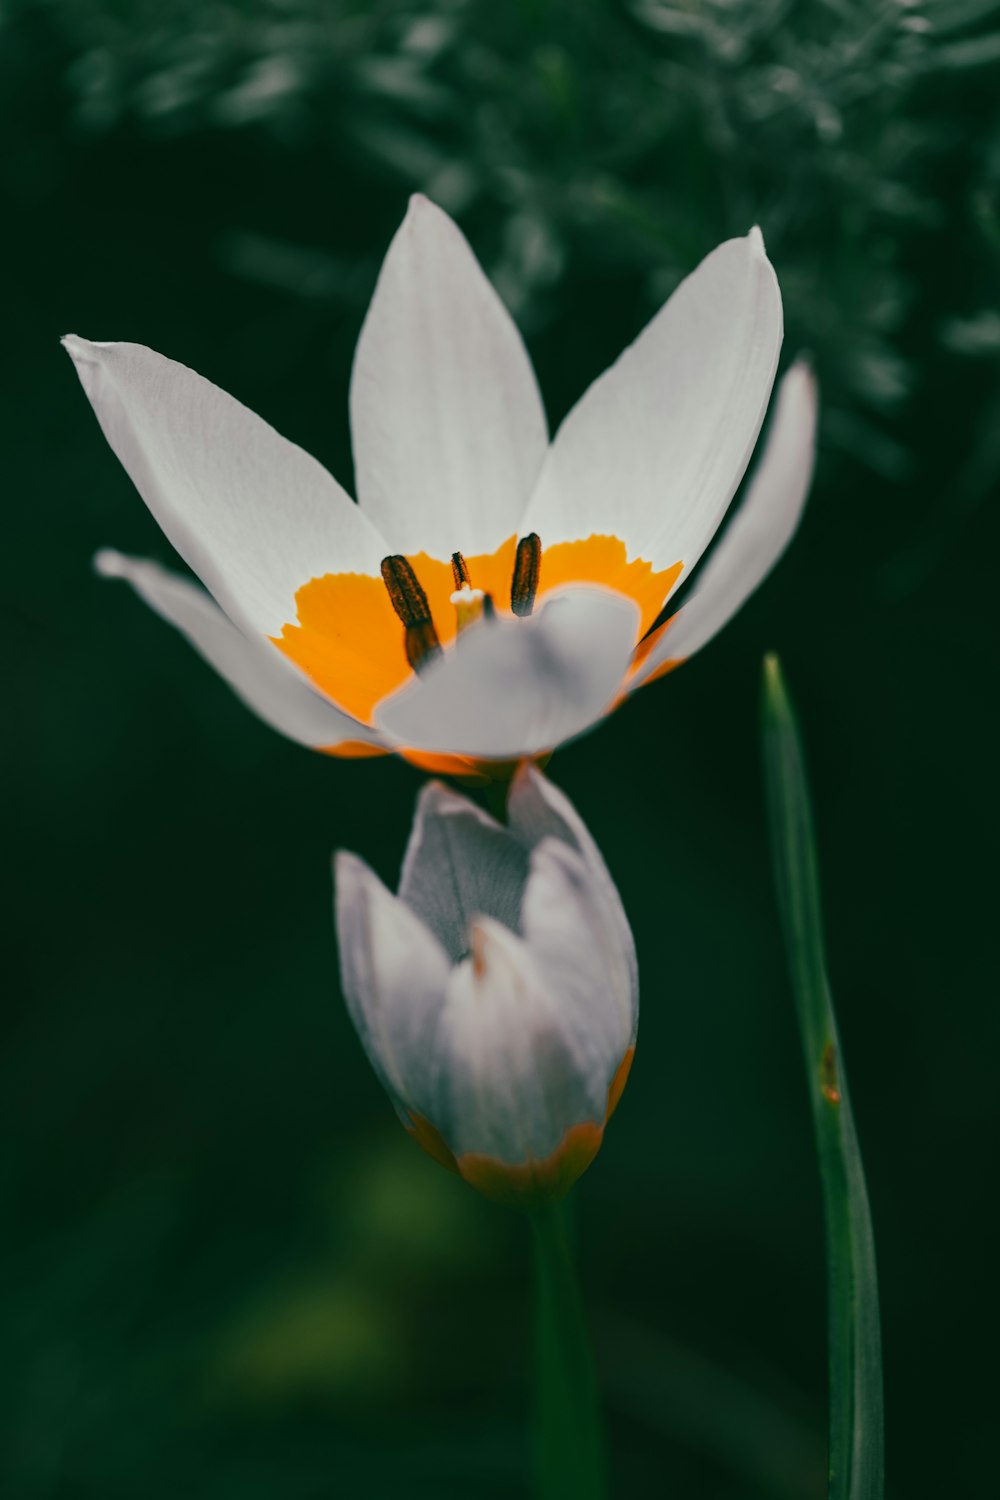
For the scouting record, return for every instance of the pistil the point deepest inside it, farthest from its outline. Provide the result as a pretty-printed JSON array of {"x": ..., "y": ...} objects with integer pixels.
[{"x": 470, "y": 604}]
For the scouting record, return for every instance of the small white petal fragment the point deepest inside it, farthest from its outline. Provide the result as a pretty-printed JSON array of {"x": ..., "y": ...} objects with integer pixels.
[
  {"x": 448, "y": 426},
  {"x": 256, "y": 672},
  {"x": 514, "y": 688},
  {"x": 394, "y": 974},
  {"x": 658, "y": 444},
  {"x": 252, "y": 514},
  {"x": 758, "y": 533}
]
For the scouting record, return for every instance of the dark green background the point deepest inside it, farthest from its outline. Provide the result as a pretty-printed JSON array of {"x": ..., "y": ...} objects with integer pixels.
[{"x": 226, "y": 1271}]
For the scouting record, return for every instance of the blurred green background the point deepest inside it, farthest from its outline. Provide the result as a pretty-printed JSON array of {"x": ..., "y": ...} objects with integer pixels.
[{"x": 226, "y": 1271}]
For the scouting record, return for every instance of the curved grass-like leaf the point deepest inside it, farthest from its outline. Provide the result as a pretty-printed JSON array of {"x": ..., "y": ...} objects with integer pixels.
[{"x": 856, "y": 1427}]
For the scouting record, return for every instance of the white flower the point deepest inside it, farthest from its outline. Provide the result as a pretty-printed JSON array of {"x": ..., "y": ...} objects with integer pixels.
[
  {"x": 552, "y": 560},
  {"x": 497, "y": 995}
]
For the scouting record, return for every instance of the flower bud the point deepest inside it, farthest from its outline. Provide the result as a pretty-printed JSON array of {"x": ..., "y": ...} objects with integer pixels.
[{"x": 496, "y": 995}]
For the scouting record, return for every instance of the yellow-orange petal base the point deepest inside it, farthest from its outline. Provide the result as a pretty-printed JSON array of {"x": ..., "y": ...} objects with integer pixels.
[
  {"x": 349, "y": 642},
  {"x": 536, "y": 1180}
]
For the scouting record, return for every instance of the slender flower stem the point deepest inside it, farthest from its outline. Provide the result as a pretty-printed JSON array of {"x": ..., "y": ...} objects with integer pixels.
[
  {"x": 856, "y": 1438},
  {"x": 569, "y": 1449}
]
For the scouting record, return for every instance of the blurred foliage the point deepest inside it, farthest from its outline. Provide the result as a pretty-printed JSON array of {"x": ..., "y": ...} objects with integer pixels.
[
  {"x": 225, "y": 1273},
  {"x": 624, "y": 137}
]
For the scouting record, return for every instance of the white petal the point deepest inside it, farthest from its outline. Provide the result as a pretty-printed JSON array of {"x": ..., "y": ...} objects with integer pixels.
[
  {"x": 460, "y": 864},
  {"x": 251, "y": 513},
  {"x": 254, "y": 669},
  {"x": 654, "y": 450},
  {"x": 448, "y": 426},
  {"x": 394, "y": 974},
  {"x": 513, "y": 1081},
  {"x": 537, "y": 810},
  {"x": 758, "y": 533},
  {"x": 566, "y": 928},
  {"x": 512, "y": 688}
]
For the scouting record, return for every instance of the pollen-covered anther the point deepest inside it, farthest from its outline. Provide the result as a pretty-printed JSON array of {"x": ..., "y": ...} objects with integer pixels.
[
  {"x": 410, "y": 603},
  {"x": 524, "y": 584}
]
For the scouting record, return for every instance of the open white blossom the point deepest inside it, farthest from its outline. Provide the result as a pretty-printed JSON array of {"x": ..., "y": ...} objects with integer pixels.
[
  {"x": 338, "y": 622},
  {"x": 497, "y": 994}
]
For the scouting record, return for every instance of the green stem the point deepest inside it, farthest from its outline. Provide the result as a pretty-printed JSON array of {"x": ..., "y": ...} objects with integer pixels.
[
  {"x": 856, "y": 1437},
  {"x": 569, "y": 1450}
]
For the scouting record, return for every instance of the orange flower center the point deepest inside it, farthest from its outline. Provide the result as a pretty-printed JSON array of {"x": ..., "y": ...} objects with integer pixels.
[{"x": 360, "y": 638}]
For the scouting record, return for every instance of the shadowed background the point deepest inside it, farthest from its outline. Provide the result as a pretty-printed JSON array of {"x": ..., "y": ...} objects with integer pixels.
[{"x": 226, "y": 1271}]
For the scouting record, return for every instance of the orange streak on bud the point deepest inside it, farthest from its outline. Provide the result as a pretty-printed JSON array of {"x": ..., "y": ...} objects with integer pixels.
[
  {"x": 429, "y": 1139},
  {"x": 522, "y": 1183},
  {"x": 478, "y": 952},
  {"x": 619, "y": 1081},
  {"x": 534, "y": 1180}
]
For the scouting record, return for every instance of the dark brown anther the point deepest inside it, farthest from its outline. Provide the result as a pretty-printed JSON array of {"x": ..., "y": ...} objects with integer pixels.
[
  {"x": 421, "y": 645},
  {"x": 489, "y": 608},
  {"x": 524, "y": 585},
  {"x": 410, "y": 603},
  {"x": 459, "y": 571}
]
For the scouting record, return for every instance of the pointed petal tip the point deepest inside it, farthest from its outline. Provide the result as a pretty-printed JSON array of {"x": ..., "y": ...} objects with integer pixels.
[
  {"x": 435, "y": 795},
  {"x": 756, "y": 240},
  {"x": 85, "y": 351},
  {"x": 349, "y": 869},
  {"x": 108, "y": 563},
  {"x": 528, "y": 773},
  {"x": 76, "y": 347},
  {"x": 803, "y": 369},
  {"x": 421, "y": 210}
]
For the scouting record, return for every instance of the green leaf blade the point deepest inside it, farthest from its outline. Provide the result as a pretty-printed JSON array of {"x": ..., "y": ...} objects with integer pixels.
[{"x": 855, "y": 1357}]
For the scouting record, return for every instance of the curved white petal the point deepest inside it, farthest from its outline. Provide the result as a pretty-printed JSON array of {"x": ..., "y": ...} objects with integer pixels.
[
  {"x": 394, "y": 975},
  {"x": 566, "y": 927},
  {"x": 758, "y": 533},
  {"x": 538, "y": 810},
  {"x": 460, "y": 864},
  {"x": 512, "y": 1079},
  {"x": 655, "y": 449},
  {"x": 253, "y": 668},
  {"x": 448, "y": 426},
  {"x": 251, "y": 513},
  {"x": 513, "y": 688}
]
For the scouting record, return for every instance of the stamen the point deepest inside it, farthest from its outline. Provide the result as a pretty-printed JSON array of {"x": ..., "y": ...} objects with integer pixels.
[
  {"x": 524, "y": 584},
  {"x": 459, "y": 571},
  {"x": 421, "y": 645},
  {"x": 410, "y": 603}
]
